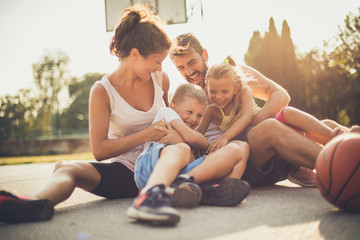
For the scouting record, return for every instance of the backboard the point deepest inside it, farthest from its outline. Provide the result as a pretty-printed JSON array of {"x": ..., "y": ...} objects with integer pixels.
[{"x": 172, "y": 11}]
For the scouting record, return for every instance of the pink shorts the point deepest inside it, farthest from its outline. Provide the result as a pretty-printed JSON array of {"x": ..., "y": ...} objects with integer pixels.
[{"x": 280, "y": 117}]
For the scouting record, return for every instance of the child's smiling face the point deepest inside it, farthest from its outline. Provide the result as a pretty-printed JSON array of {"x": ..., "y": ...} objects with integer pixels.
[
  {"x": 221, "y": 91},
  {"x": 190, "y": 111}
]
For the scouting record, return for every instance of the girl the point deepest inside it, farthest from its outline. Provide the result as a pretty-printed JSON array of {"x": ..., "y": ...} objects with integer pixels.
[
  {"x": 121, "y": 110},
  {"x": 233, "y": 106}
]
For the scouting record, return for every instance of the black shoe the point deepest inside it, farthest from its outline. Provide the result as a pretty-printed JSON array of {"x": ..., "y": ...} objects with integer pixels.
[
  {"x": 14, "y": 209},
  {"x": 154, "y": 206},
  {"x": 229, "y": 192},
  {"x": 184, "y": 192}
]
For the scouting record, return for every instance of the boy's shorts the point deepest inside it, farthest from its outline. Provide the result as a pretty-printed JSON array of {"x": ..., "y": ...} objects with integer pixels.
[
  {"x": 276, "y": 170},
  {"x": 147, "y": 161}
]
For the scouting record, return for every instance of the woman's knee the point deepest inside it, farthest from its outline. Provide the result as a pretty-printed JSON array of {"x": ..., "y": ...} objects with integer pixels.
[
  {"x": 59, "y": 166},
  {"x": 67, "y": 168},
  {"x": 80, "y": 173}
]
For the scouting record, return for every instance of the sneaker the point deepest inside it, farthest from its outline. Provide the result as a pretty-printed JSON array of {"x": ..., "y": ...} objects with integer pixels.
[
  {"x": 229, "y": 192},
  {"x": 154, "y": 206},
  {"x": 304, "y": 177},
  {"x": 184, "y": 192},
  {"x": 14, "y": 209}
]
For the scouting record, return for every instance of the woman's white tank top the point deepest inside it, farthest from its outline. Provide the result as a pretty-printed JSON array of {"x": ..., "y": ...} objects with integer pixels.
[{"x": 126, "y": 120}]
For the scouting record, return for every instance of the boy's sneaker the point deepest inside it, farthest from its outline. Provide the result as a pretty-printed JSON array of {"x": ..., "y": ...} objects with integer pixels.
[
  {"x": 184, "y": 192},
  {"x": 14, "y": 209},
  {"x": 304, "y": 177},
  {"x": 154, "y": 206},
  {"x": 229, "y": 192}
]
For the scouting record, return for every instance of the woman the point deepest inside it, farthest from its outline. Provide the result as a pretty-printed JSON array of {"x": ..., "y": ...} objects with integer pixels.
[{"x": 121, "y": 110}]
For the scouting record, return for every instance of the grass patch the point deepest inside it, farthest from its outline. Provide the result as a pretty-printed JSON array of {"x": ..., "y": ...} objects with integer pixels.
[{"x": 45, "y": 158}]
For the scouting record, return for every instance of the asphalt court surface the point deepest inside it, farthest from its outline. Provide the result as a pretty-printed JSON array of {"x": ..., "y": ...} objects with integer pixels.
[{"x": 283, "y": 211}]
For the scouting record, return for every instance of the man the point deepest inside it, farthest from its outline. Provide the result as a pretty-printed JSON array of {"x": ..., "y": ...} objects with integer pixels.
[{"x": 190, "y": 58}]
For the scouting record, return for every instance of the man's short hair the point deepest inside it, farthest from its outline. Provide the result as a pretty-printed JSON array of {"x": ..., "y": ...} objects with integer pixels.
[
  {"x": 189, "y": 90},
  {"x": 184, "y": 44}
]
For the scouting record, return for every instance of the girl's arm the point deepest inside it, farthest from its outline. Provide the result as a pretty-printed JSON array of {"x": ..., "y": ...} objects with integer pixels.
[
  {"x": 99, "y": 119},
  {"x": 264, "y": 88},
  {"x": 240, "y": 124},
  {"x": 206, "y": 119}
]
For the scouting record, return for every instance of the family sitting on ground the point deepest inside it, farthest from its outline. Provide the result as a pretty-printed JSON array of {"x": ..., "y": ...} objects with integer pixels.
[{"x": 208, "y": 146}]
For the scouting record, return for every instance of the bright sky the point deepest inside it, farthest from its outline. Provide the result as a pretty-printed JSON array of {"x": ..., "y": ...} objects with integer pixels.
[{"x": 78, "y": 28}]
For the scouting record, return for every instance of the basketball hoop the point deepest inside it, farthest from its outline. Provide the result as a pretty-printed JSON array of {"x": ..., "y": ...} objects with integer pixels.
[{"x": 172, "y": 11}]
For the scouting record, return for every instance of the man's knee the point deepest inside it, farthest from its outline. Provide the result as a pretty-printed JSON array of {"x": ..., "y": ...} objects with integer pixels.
[{"x": 265, "y": 129}]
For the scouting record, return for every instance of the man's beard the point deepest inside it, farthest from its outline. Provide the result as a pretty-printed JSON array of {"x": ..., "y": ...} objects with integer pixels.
[{"x": 202, "y": 74}]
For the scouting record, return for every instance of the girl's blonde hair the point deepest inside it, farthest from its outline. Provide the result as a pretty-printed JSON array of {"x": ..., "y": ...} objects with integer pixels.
[{"x": 222, "y": 70}]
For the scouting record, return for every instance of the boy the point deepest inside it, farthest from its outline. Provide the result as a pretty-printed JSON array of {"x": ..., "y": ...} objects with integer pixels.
[{"x": 160, "y": 164}]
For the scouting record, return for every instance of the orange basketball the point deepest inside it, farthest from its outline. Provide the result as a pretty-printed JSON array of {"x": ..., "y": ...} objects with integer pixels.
[{"x": 338, "y": 171}]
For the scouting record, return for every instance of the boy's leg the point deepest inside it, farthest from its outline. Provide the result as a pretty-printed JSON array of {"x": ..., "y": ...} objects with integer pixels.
[
  {"x": 184, "y": 192},
  {"x": 172, "y": 159},
  {"x": 229, "y": 162},
  {"x": 239, "y": 169},
  {"x": 153, "y": 204}
]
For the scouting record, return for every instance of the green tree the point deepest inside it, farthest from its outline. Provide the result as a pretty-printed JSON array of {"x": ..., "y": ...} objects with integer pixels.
[
  {"x": 252, "y": 56},
  {"x": 75, "y": 118},
  {"x": 324, "y": 91},
  {"x": 346, "y": 56},
  {"x": 50, "y": 76},
  {"x": 17, "y": 116},
  {"x": 291, "y": 78},
  {"x": 275, "y": 57}
]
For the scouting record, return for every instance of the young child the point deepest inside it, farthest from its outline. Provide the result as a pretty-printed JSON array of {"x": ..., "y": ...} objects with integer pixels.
[
  {"x": 233, "y": 106},
  {"x": 161, "y": 163}
]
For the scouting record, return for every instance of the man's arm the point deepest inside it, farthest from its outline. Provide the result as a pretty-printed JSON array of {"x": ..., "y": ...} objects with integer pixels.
[{"x": 276, "y": 97}]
